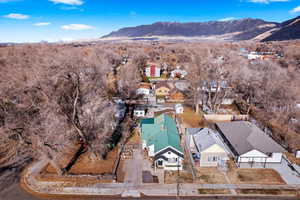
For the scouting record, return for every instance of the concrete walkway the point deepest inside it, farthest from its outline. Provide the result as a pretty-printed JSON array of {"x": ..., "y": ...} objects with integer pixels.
[{"x": 133, "y": 187}]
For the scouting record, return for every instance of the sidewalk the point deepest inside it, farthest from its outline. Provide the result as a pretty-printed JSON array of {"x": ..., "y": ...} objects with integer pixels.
[{"x": 127, "y": 189}]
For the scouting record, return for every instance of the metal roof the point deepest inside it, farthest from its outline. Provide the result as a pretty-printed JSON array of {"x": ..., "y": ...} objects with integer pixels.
[{"x": 162, "y": 132}]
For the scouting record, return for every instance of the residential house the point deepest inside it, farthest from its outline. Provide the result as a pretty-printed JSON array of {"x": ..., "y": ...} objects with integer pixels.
[
  {"x": 250, "y": 146},
  {"x": 153, "y": 71},
  {"x": 207, "y": 146},
  {"x": 297, "y": 153},
  {"x": 161, "y": 139},
  {"x": 144, "y": 89},
  {"x": 179, "y": 109},
  {"x": 139, "y": 111},
  {"x": 213, "y": 86},
  {"x": 178, "y": 73},
  {"x": 254, "y": 56},
  {"x": 176, "y": 96},
  {"x": 162, "y": 89}
]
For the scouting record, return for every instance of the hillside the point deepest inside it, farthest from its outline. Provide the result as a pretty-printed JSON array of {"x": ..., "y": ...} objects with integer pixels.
[
  {"x": 289, "y": 30},
  {"x": 243, "y": 29}
]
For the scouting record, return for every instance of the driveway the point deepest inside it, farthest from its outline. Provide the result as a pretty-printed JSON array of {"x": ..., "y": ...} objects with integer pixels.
[
  {"x": 133, "y": 169},
  {"x": 288, "y": 175}
]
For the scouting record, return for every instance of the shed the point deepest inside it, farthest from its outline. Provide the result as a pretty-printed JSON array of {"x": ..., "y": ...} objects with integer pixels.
[
  {"x": 179, "y": 109},
  {"x": 139, "y": 111}
]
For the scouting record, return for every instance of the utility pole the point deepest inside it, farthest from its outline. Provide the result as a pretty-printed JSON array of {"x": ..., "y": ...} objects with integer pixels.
[{"x": 178, "y": 186}]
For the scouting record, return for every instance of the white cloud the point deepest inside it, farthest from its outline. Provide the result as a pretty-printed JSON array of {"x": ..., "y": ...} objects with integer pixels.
[
  {"x": 295, "y": 10},
  {"x": 69, "y": 2},
  {"x": 42, "y": 24},
  {"x": 267, "y": 1},
  {"x": 227, "y": 19},
  {"x": 16, "y": 16},
  {"x": 77, "y": 27}
]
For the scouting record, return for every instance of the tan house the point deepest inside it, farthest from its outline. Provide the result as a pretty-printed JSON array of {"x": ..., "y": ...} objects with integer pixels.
[
  {"x": 207, "y": 147},
  {"x": 162, "y": 89}
]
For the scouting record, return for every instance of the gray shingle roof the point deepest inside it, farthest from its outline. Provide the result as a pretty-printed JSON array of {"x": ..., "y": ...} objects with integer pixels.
[
  {"x": 205, "y": 138},
  {"x": 244, "y": 137}
]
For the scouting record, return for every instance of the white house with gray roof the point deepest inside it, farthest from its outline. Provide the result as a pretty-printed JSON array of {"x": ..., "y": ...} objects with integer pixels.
[
  {"x": 207, "y": 146},
  {"x": 249, "y": 144}
]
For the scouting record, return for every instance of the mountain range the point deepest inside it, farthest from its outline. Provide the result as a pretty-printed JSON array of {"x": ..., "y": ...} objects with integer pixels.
[{"x": 243, "y": 29}]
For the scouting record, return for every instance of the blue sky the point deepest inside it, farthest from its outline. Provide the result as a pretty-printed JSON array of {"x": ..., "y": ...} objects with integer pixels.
[{"x": 54, "y": 20}]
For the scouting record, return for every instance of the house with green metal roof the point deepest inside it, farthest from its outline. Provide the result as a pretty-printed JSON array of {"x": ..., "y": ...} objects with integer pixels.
[{"x": 161, "y": 139}]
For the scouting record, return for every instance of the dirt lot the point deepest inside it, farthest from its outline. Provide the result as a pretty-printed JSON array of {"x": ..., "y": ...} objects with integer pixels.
[
  {"x": 205, "y": 175},
  {"x": 172, "y": 176},
  {"x": 191, "y": 119},
  {"x": 84, "y": 165},
  {"x": 210, "y": 175},
  {"x": 253, "y": 175}
]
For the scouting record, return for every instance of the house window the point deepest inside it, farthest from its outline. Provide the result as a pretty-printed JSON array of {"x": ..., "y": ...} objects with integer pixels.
[
  {"x": 213, "y": 158},
  {"x": 169, "y": 152},
  {"x": 160, "y": 162}
]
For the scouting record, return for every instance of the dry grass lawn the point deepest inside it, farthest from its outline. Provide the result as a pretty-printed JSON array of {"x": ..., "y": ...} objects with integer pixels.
[
  {"x": 213, "y": 191},
  {"x": 268, "y": 191},
  {"x": 191, "y": 119},
  {"x": 120, "y": 172},
  {"x": 293, "y": 158},
  {"x": 72, "y": 181},
  {"x": 210, "y": 175},
  {"x": 85, "y": 165},
  {"x": 135, "y": 138},
  {"x": 172, "y": 177},
  {"x": 230, "y": 109},
  {"x": 255, "y": 176},
  {"x": 205, "y": 175}
]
